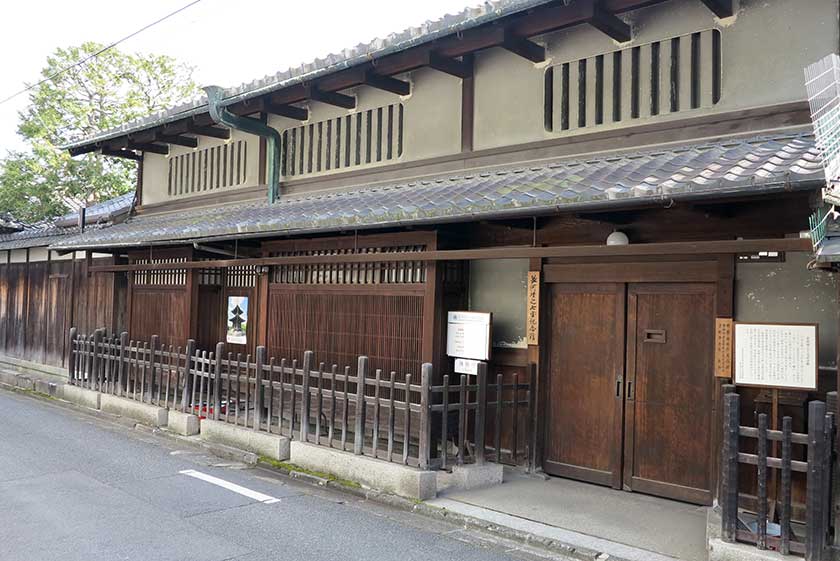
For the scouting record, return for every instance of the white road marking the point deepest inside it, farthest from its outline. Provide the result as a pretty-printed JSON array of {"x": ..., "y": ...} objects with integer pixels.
[{"x": 251, "y": 494}]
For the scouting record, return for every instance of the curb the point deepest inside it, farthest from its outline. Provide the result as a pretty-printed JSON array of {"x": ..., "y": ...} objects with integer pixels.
[{"x": 408, "y": 505}]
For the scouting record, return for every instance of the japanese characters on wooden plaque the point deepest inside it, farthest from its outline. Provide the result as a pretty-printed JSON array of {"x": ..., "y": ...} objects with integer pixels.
[
  {"x": 723, "y": 347},
  {"x": 781, "y": 356},
  {"x": 532, "y": 324}
]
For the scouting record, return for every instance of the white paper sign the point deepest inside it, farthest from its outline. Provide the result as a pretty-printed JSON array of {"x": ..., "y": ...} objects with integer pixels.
[
  {"x": 466, "y": 366},
  {"x": 776, "y": 355},
  {"x": 468, "y": 335}
]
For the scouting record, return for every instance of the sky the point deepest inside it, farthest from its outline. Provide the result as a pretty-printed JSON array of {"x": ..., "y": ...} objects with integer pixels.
[{"x": 227, "y": 41}]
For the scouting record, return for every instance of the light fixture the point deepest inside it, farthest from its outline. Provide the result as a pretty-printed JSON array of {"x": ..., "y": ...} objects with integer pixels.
[{"x": 618, "y": 238}]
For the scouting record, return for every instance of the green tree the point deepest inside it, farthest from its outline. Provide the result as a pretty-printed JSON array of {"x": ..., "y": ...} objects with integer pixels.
[{"x": 109, "y": 90}]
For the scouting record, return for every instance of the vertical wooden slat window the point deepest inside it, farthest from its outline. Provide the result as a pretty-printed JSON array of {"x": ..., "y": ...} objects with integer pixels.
[
  {"x": 646, "y": 81},
  {"x": 211, "y": 168}
]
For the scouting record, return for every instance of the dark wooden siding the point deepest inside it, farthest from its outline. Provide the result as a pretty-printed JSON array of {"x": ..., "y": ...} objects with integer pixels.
[
  {"x": 160, "y": 310},
  {"x": 41, "y": 300}
]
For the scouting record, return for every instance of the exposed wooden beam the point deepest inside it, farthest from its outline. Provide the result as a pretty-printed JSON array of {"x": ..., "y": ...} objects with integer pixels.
[
  {"x": 332, "y": 98},
  {"x": 610, "y": 24},
  {"x": 517, "y": 252},
  {"x": 178, "y": 140},
  {"x": 211, "y": 131},
  {"x": 387, "y": 83},
  {"x": 122, "y": 154},
  {"x": 149, "y": 147},
  {"x": 525, "y": 48},
  {"x": 721, "y": 8},
  {"x": 458, "y": 68},
  {"x": 288, "y": 111},
  {"x": 84, "y": 149}
]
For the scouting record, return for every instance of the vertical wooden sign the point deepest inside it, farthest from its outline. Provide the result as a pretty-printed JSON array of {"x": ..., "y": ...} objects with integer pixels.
[
  {"x": 532, "y": 322},
  {"x": 723, "y": 347}
]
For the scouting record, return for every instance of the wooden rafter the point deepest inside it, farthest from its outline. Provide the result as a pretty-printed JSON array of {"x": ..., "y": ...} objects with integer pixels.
[
  {"x": 387, "y": 83},
  {"x": 721, "y": 8},
  {"x": 523, "y": 47},
  {"x": 332, "y": 98},
  {"x": 178, "y": 140},
  {"x": 149, "y": 147},
  {"x": 212, "y": 132},
  {"x": 128, "y": 154},
  {"x": 610, "y": 24},
  {"x": 288, "y": 111},
  {"x": 458, "y": 68}
]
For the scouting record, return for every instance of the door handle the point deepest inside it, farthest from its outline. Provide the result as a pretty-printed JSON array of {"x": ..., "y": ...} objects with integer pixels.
[
  {"x": 631, "y": 393},
  {"x": 618, "y": 382}
]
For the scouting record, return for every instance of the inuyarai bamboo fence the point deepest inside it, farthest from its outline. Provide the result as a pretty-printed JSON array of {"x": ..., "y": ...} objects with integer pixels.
[
  {"x": 407, "y": 419},
  {"x": 738, "y": 523}
]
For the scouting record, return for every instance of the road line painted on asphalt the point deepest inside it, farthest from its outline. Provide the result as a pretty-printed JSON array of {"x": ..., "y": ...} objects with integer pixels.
[{"x": 256, "y": 495}]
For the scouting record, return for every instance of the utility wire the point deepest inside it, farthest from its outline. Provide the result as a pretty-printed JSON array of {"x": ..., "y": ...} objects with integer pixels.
[{"x": 99, "y": 52}]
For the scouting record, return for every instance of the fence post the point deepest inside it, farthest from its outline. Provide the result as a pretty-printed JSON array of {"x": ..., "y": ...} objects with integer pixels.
[
  {"x": 217, "y": 386},
  {"x": 121, "y": 363},
  {"x": 71, "y": 362},
  {"x": 304, "y": 398},
  {"x": 480, "y": 411},
  {"x": 729, "y": 469},
  {"x": 258, "y": 387},
  {"x": 424, "y": 452},
  {"x": 190, "y": 350},
  {"x": 93, "y": 376},
  {"x": 359, "y": 437},
  {"x": 153, "y": 345},
  {"x": 815, "y": 500}
]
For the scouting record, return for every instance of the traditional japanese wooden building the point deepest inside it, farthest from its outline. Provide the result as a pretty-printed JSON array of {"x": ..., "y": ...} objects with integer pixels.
[{"x": 653, "y": 161}]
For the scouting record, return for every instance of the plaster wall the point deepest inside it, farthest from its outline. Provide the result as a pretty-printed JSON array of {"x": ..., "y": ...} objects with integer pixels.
[{"x": 499, "y": 286}]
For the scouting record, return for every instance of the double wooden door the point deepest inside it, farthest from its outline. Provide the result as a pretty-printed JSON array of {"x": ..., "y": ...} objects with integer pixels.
[{"x": 630, "y": 386}]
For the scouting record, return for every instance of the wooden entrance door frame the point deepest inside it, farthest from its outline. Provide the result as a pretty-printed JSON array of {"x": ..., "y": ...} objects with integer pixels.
[{"x": 709, "y": 268}]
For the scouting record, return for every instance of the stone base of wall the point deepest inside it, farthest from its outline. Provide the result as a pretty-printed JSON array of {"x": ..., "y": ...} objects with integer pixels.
[
  {"x": 470, "y": 476},
  {"x": 140, "y": 412},
  {"x": 79, "y": 396},
  {"x": 377, "y": 474},
  {"x": 183, "y": 423},
  {"x": 272, "y": 446},
  {"x": 720, "y": 550}
]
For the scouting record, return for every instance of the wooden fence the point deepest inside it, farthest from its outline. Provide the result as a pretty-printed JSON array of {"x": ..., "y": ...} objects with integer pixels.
[
  {"x": 345, "y": 407},
  {"x": 738, "y": 523}
]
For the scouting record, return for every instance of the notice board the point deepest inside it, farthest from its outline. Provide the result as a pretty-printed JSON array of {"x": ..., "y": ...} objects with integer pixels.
[{"x": 783, "y": 356}]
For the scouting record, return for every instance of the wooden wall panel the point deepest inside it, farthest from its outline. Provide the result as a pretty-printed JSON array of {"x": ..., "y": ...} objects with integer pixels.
[
  {"x": 210, "y": 317},
  {"x": 15, "y": 318},
  {"x": 338, "y": 326},
  {"x": 159, "y": 310},
  {"x": 35, "y": 318}
]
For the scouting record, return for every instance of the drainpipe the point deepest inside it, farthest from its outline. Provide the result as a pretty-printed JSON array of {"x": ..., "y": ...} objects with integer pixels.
[{"x": 220, "y": 114}]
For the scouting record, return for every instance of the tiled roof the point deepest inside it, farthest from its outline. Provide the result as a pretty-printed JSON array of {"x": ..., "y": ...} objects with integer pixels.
[
  {"x": 41, "y": 235},
  {"x": 362, "y": 53},
  {"x": 752, "y": 165}
]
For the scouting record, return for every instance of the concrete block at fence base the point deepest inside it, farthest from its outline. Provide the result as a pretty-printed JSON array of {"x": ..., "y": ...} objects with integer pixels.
[
  {"x": 8, "y": 378},
  {"x": 272, "y": 446},
  {"x": 25, "y": 382},
  {"x": 182, "y": 423},
  {"x": 720, "y": 550},
  {"x": 44, "y": 387},
  {"x": 385, "y": 476},
  {"x": 470, "y": 476},
  {"x": 141, "y": 412},
  {"x": 80, "y": 396}
]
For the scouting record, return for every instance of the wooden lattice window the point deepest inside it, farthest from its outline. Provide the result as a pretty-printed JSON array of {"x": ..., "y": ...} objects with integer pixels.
[
  {"x": 360, "y": 138},
  {"x": 367, "y": 273},
  {"x": 164, "y": 277},
  {"x": 208, "y": 169},
  {"x": 673, "y": 75}
]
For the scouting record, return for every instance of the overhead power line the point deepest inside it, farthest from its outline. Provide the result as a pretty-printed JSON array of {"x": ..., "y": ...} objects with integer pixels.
[{"x": 99, "y": 52}]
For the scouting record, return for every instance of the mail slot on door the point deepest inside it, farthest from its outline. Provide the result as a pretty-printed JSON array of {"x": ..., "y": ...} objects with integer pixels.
[{"x": 654, "y": 336}]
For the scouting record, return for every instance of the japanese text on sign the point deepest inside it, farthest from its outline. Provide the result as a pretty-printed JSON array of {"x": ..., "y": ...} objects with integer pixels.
[
  {"x": 776, "y": 355},
  {"x": 533, "y": 318}
]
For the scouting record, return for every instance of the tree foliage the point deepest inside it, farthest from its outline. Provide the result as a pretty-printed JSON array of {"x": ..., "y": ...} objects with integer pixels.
[{"x": 109, "y": 90}]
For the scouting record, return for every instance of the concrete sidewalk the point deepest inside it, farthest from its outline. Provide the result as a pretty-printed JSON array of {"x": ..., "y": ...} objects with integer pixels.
[{"x": 621, "y": 524}]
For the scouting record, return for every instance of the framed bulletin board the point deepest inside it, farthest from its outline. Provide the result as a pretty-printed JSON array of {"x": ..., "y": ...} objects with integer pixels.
[{"x": 774, "y": 355}]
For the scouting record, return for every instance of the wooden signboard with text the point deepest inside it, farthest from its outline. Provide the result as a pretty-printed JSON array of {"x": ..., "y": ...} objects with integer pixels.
[
  {"x": 779, "y": 356},
  {"x": 532, "y": 323}
]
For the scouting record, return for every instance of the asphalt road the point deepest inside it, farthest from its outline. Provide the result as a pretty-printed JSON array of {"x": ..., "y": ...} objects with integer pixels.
[{"x": 77, "y": 487}]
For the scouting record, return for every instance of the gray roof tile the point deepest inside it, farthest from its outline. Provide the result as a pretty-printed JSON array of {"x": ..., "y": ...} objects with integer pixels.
[{"x": 694, "y": 170}]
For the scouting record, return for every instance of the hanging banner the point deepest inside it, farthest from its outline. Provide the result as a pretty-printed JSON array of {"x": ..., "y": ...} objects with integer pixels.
[
  {"x": 237, "y": 320},
  {"x": 783, "y": 356},
  {"x": 532, "y": 321}
]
